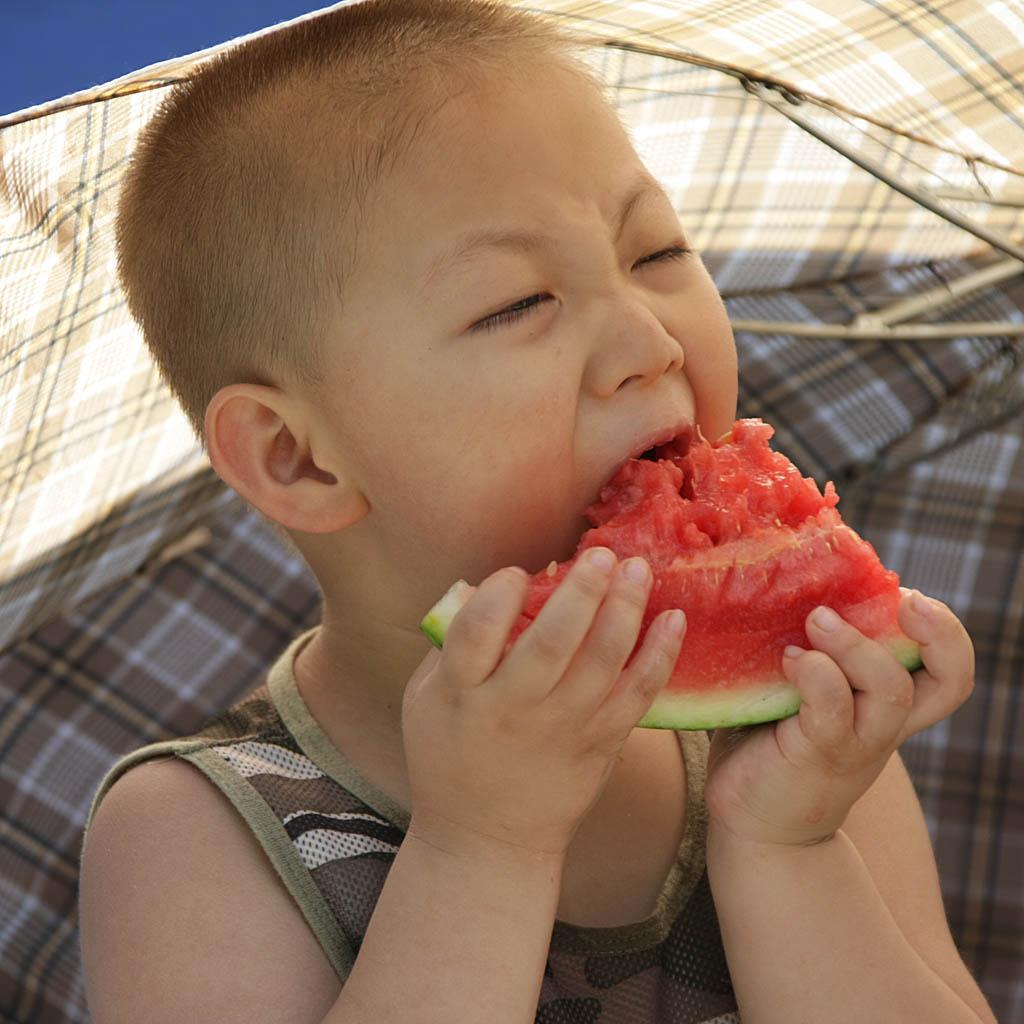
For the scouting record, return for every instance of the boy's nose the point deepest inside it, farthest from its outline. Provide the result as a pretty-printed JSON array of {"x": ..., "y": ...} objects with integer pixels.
[{"x": 632, "y": 347}]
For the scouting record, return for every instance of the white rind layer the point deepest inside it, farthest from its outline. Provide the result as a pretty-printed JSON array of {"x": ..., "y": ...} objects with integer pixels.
[
  {"x": 751, "y": 705},
  {"x": 436, "y": 622}
]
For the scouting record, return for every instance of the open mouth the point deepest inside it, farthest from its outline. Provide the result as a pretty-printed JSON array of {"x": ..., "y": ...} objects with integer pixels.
[{"x": 674, "y": 446}]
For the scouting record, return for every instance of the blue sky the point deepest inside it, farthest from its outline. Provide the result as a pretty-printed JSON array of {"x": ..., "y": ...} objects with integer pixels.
[{"x": 49, "y": 48}]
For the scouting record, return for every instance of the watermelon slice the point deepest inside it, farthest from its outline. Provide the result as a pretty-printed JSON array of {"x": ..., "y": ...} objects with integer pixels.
[{"x": 747, "y": 547}]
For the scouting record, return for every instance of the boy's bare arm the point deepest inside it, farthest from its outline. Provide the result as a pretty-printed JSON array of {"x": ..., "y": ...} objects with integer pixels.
[
  {"x": 184, "y": 919},
  {"x": 182, "y": 916},
  {"x": 506, "y": 752},
  {"x": 819, "y": 859}
]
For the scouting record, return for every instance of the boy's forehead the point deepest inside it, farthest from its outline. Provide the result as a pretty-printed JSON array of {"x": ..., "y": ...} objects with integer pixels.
[
  {"x": 642, "y": 189},
  {"x": 520, "y": 124},
  {"x": 448, "y": 187}
]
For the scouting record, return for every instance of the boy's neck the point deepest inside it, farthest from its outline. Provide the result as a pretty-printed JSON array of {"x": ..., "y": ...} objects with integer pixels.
[{"x": 353, "y": 679}]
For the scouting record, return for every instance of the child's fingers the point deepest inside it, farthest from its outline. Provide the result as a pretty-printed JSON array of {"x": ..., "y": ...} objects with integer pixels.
[
  {"x": 650, "y": 669},
  {"x": 883, "y": 689},
  {"x": 478, "y": 634},
  {"x": 947, "y": 678},
  {"x": 545, "y": 650},
  {"x": 610, "y": 640},
  {"x": 826, "y": 713}
]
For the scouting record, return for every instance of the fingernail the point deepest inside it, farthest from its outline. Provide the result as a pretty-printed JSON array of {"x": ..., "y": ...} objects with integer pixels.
[
  {"x": 675, "y": 621},
  {"x": 601, "y": 558},
  {"x": 792, "y": 651},
  {"x": 636, "y": 569},
  {"x": 826, "y": 619},
  {"x": 924, "y": 606}
]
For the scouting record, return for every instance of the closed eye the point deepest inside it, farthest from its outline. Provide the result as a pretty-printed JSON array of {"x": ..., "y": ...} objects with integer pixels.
[
  {"x": 668, "y": 255},
  {"x": 523, "y": 307},
  {"x": 510, "y": 314}
]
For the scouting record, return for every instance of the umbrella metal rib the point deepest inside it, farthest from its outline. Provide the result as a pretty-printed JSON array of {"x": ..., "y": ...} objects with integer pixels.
[
  {"x": 946, "y": 294},
  {"x": 879, "y": 324},
  {"x": 908, "y": 332},
  {"x": 785, "y": 104}
]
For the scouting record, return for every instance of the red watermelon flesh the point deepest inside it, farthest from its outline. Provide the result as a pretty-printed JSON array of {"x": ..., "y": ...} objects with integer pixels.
[{"x": 747, "y": 546}]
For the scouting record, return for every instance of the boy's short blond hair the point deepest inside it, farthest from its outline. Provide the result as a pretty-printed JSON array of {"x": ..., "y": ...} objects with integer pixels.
[{"x": 239, "y": 216}]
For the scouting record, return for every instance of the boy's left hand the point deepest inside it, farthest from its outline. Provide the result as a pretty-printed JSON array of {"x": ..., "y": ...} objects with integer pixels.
[{"x": 794, "y": 781}]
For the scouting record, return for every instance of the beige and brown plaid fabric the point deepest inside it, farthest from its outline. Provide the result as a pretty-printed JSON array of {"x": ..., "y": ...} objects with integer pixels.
[
  {"x": 97, "y": 467},
  {"x": 108, "y": 646},
  {"x": 153, "y": 656}
]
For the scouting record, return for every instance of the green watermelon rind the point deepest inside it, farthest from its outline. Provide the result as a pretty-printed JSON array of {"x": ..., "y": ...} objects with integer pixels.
[
  {"x": 906, "y": 651},
  {"x": 760, "y": 701},
  {"x": 436, "y": 622},
  {"x": 751, "y": 705}
]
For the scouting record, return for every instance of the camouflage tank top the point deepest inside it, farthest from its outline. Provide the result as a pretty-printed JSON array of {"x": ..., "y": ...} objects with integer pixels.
[{"x": 331, "y": 837}]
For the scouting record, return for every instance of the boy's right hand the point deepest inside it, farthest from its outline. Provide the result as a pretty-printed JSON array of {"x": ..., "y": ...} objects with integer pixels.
[{"x": 511, "y": 749}]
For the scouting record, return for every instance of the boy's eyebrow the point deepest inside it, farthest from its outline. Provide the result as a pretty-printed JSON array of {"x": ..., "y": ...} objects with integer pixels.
[{"x": 645, "y": 188}]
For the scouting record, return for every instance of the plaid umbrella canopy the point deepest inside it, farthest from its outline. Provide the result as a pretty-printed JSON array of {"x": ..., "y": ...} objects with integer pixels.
[{"x": 853, "y": 173}]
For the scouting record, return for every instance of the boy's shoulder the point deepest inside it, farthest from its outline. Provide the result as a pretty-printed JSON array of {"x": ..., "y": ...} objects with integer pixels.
[
  {"x": 174, "y": 886},
  {"x": 159, "y": 817}
]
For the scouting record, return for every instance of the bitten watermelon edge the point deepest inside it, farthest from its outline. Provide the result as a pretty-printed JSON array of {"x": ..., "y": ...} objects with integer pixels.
[{"x": 747, "y": 546}]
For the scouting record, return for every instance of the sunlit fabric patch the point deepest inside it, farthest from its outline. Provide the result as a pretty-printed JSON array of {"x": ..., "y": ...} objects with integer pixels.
[{"x": 251, "y": 758}]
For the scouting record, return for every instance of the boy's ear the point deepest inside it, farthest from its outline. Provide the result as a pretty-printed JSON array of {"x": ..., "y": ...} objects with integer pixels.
[{"x": 259, "y": 445}]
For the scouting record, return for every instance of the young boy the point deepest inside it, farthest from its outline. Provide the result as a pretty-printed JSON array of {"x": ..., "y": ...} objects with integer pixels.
[{"x": 421, "y": 297}]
